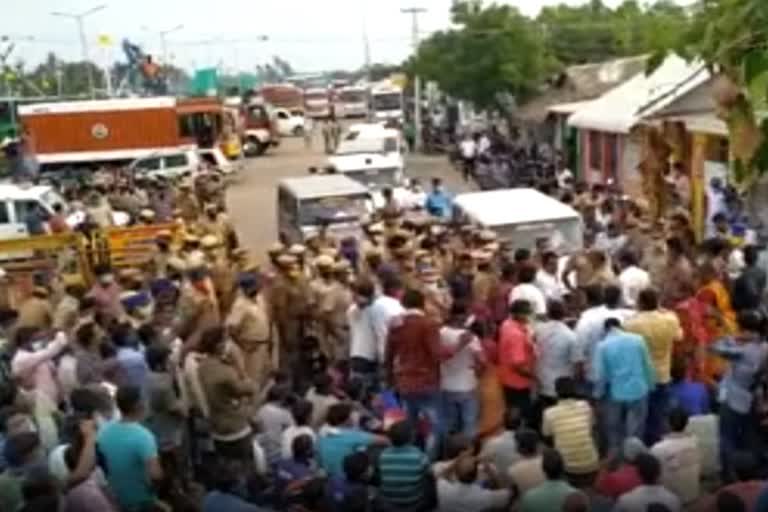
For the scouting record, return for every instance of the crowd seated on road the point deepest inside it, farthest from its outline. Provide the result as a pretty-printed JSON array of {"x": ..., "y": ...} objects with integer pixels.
[{"x": 428, "y": 367}]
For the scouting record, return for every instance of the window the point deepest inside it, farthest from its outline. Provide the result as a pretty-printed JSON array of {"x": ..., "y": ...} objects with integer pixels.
[
  {"x": 208, "y": 158},
  {"x": 149, "y": 164},
  {"x": 186, "y": 125},
  {"x": 4, "y": 218},
  {"x": 286, "y": 204},
  {"x": 179, "y": 160},
  {"x": 23, "y": 208},
  {"x": 282, "y": 115}
]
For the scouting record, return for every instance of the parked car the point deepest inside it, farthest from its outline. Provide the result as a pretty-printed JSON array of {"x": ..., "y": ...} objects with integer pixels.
[{"x": 290, "y": 123}]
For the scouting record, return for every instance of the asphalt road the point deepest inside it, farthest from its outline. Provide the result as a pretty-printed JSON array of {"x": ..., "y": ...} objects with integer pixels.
[{"x": 252, "y": 198}]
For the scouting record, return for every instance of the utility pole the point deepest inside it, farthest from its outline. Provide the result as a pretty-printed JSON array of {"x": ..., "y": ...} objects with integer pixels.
[
  {"x": 163, "y": 34},
  {"x": 79, "y": 17},
  {"x": 414, "y": 12},
  {"x": 366, "y": 44}
]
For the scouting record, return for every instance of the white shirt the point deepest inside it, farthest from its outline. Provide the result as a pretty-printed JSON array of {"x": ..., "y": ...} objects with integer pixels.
[
  {"x": 383, "y": 310},
  {"x": 680, "y": 461},
  {"x": 362, "y": 337},
  {"x": 590, "y": 329},
  {"x": 468, "y": 148},
  {"x": 529, "y": 292},
  {"x": 291, "y": 433},
  {"x": 460, "y": 497},
  {"x": 633, "y": 280},
  {"x": 457, "y": 374},
  {"x": 550, "y": 285},
  {"x": 484, "y": 145},
  {"x": 563, "y": 177}
]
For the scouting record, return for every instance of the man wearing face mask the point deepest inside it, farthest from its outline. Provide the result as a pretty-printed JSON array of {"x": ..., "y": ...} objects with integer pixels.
[{"x": 249, "y": 324}]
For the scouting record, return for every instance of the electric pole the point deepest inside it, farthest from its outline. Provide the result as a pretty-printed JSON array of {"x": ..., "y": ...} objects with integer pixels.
[
  {"x": 78, "y": 18},
  {"x": 414, "y": 12}
]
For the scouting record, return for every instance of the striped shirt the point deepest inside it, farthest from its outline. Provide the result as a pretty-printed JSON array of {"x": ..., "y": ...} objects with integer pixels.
[
  {"x": 570, "y": 424},
  {"x": 403, "y": 471}
]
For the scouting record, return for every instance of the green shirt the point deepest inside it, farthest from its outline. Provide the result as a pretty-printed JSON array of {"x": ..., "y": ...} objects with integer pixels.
[
  {"x": 547, "y": 496},
  {"x": 10, "y": 492}
]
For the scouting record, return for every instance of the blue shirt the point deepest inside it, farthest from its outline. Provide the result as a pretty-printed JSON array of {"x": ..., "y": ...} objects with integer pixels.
[
  {"x": 335, "y": 444},
  {"x": 126, "y": 448},
  {"x": 133, "y": 368},
  {"x": 736, "y": 387},
  {"x": 439, "y": 204},
  {"x": 693, "y": 397},
  {"x": 623, "y": 368},
  {"x": 216, "y": 501}
]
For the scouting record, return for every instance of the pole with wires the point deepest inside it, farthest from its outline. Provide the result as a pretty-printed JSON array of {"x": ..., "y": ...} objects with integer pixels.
[
  {"x": 414, "y": 12},
  {"x": 78, "y": 18}
]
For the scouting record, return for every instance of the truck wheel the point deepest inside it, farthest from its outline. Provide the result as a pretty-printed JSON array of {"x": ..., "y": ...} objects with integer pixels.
[
  {"x": 253, "y": 147},
  {"x": 298, "y": 131}
]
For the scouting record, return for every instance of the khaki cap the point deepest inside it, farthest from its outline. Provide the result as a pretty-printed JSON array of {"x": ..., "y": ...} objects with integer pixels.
[
  {"x": 342, "y": 265},
  {"x": 376, "y": 228},
  {"x": 275, "y": 248},
  {"x": 286, "y": 259},
  {"x": 240, "y": 253},
  {"x": 147, "y": 214},
  {"x": 177, "y": 263},
  {"x": 324, "y": 261},
  {"x": 164, "y": 235},
  {"x": 189, "y": 238},
  {"x": 209, "y": 241},
  {"x": 297, "y": 249}
]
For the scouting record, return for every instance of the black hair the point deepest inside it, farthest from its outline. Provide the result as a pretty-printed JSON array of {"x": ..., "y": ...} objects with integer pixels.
[
  {"x": 456, "y": 445},
  {"x": 679, "y": 369},
  {"x": 522, "y": 255},
  {"x": 678, "y": 419},
  {"x": 401, "y": 433},
  {"x": 128, "y": 399},
  {"x": 751, "y": 255},
  {"x": 391, "y": 283},
  {"x": 526, "y": 274},
  {"x": 508, "y": 271},
  {"x": 648, "y": 468},
  {"x": 86, "y": 334},
  {"x": 356, "y": 466},
  {"x": 157, "y": 357},
  {"x": 413, "y": 299},
  {"x": 612, "y": 296},
  {"x": 527, "y": 441},
  {"x": 25, "y": 335},
  {"x": 556, "y": 309},
  {"x": 565, "y": 387},
  {"x": 302, "y": 412},
  {"x": 627, "y": 258},
  {"x": 647, "y": 300},
  {"x": 611, "y": 323},
  {"x": 520, "y": 307},
  {"x": 594, "y": 294},
  {"x": 552, "y": 464},
  {"x": 338, "y": 414},
  {"x": 302, "y": 447},
  {"x": 278, "y": 393}
]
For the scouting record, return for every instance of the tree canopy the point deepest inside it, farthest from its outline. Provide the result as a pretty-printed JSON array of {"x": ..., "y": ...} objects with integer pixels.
[{"x": 495, "y": 50}]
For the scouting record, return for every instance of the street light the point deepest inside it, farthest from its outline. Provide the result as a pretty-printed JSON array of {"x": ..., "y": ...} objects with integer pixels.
[
  {"x": 79, "y": 17},
  {"x": 163, "y": 41}
]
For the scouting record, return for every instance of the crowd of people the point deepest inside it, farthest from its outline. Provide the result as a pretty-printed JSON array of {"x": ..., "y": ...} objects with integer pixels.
[{"x": 429, "y": 366}]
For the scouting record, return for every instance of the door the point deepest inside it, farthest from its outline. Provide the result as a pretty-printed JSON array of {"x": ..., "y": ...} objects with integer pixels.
[
  {"x": 283, "y": 122},
  {"x": 21, "y": 212}
]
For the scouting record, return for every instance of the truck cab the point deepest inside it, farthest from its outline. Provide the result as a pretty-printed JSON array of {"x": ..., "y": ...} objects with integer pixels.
[
  {"x": 334, "y": 201},
  {"x": 387, "y": 104},
  {"x": 523, "y": 216},
  {"x": 372, "y": 155}
]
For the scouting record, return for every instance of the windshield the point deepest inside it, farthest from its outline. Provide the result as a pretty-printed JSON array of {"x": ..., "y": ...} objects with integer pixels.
[
  {"x": 352, "y": 96},
  {"x": 362, "y": 145},
  {"x": 390, "y": 101},
  {"x": 332, "y": 209},
  {"x": 375, "y": 178}
]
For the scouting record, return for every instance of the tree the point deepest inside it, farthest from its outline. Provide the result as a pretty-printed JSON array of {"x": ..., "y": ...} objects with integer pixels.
[
  {"x": 729, "y": 36},
  {"x": 495, "y": 50}
]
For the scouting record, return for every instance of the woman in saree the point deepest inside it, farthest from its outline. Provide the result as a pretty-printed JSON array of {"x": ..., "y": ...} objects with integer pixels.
[
  {"x": 489, "y": 391},
  {"x": 719, "y": 321}
]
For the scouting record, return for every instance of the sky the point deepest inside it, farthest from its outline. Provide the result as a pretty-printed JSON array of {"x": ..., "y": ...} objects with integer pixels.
[{"x": 312, "y": 35}]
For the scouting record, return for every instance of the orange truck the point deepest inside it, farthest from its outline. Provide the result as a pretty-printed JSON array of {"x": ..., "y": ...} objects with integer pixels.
[
  {"x": 285, "y": 96},
  {"x": 88, "y": 133}
]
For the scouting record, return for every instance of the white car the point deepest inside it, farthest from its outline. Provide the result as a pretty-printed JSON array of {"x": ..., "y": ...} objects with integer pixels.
[
  {"x": 290, "y": 123},
  {"x": 189, "y": 161},
  {"x": 372, "y": 155}
]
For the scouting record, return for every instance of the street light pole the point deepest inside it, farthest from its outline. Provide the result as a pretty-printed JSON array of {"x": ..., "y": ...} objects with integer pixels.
[
  {"x": 164, "y": 49},
  {"x": 414, "y": 12},
  {"x": 79, "y": 19}
]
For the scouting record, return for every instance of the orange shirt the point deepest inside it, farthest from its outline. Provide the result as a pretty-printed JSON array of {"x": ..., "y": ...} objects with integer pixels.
[{"x": 515, "y": 349}]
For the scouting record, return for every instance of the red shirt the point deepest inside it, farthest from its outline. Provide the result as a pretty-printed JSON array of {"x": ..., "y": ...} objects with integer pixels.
[
  {"x": 515, "y": 349},
  {"x": 415, "y": 354},
  {"x": 613, "y": 484}
]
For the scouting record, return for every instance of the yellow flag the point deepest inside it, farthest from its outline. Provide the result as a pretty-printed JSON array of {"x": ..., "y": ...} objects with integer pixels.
[{"x": 105, "y": 40}]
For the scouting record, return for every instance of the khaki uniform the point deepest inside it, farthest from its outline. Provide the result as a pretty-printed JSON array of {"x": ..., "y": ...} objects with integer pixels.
[
  {"x": 35, "y": 312},
  {"x": 157, "y": 266},
  {"x": 66, "y": 314},
  {"x": 482, "y": 287},
  {"x": 249, "y": 324},
  {"x": 320, "y": 306},
  {"x": 189, "y": 207},
  {"x": 290, "y": 301},
  {"x": 198, "y": 311},
  {"x": 223, "y": 279}
]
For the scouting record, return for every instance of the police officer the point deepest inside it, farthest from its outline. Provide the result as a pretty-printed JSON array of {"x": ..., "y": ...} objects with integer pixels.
[
  {"x": 290, "y": 294},
  {"x": 250, "y": 325}
]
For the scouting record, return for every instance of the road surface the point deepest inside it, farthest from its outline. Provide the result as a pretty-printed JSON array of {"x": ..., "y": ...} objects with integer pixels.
[{"x": 251, "y": 200}]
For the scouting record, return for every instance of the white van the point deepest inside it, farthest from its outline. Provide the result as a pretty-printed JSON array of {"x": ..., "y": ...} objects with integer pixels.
[
  {"x": 290, "y": 123},
  {"x": 523, "y": 217},
  {"x": 304, "y": 204},
  {"x": 185, "y": 161}
]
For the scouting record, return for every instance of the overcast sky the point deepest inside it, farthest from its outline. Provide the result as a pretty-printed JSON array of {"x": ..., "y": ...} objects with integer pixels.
[{"x": 311, "y": 34}]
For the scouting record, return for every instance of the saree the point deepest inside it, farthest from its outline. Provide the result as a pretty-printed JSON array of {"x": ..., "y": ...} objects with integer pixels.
[
  {"x": 490, "y": 394},
  {"x": 719, "y": 321}
]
